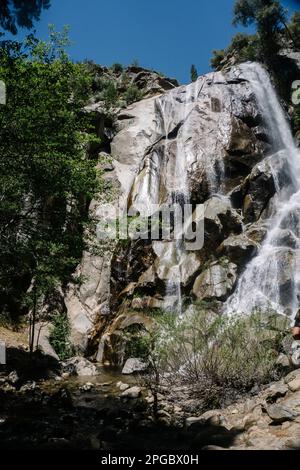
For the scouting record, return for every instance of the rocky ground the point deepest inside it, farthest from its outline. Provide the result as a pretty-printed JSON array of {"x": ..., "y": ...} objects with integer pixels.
[{"x": 77, "y": 405}]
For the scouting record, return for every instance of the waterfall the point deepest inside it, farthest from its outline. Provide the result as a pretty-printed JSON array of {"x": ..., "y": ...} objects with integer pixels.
[
  {"x": 271, "y": 280},
  {"x": 175, "y": 110}
]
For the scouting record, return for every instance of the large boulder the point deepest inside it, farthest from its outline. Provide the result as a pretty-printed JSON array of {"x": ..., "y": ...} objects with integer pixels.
[
  {"x": 220, "y": 220},
  {"x": 81, "y": 366},
  {"x": 134, "y": 365},
  {"x": 238, "y": 248},
  {"x": 260, "y": 186},
  {"x": 216, "y": 282},
  {"x": 241, "y": 143}
]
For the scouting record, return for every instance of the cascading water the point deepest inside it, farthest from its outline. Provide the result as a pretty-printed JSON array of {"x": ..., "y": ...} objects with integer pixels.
[
  {"x": 179, "y": 116},
  {"x": 272, "y": 279},
  {"x": 176, "y": 177}
]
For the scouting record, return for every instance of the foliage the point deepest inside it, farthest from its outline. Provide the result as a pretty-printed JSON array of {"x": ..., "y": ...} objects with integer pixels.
[
  {"x": 117, "y": 68},
  {"x": 110, "y": 94},
  {"x": 194, "y": 73},
  {"x": 294, "y": 28},
  {"x": 132, "y": 94},
  {"x": 20, "y": 13},
  {"x": 46, "y": 178},
  {"x": 59, "y": 338},
  {"x": 217, "y": 58},
  {"x": 215, "y": 353},
  {"x": 272, "y": 31}
]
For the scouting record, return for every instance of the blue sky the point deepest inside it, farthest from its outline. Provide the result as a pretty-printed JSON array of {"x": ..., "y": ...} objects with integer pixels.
[{"x": 166, "y": 35}]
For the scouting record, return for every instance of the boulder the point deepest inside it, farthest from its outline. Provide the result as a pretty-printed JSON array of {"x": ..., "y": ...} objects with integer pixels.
[
  {"x": 211, "y": 417},
  {"x": 296, "y": 358},
  {"x": 260, "y": 186},
  {"x": 281, "y": 412},
  {"x": 81, "y": 366},
  {"x": 220, "y": 219},
  {"x": 134, "y": 365},
  {"x": 132, "y": 392},
  {"x": 241, "y": 143},
  {"x": 41, "y": 339},
  {"x": 238, "y": 248},
  {"x": 169, "y": 268},
  {"x": 294, "y": 385},
  {"x": 277, "y": 390},
  {"x": 216, "y": 282},
  {"x": 294, "y": 375}
]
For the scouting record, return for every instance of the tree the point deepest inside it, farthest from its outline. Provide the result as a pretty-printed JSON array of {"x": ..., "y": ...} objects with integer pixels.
[
  {"x": 294, "y": 28},
  {"x": 46, "y": 175},
  {"x": 268, "y": 16},
  {"x": 194, "y": 73},
  {"x": 20, "y": 13}
]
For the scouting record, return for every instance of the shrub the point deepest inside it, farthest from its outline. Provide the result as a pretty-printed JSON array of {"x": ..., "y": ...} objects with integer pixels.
[
  {"x": 218, "y": 56},
  {"x": 110, "y": 94},
  {"x": 216, "y": 354},
  {"x": 117, "y": 68},
  {"x": 244, "y": 47},
  {"x": 59, "y": 338},
  {"x": 132, "y": 94}
]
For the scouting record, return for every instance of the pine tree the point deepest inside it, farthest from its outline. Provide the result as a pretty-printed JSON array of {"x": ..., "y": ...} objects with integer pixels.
[{"x": 194, "y": 73}]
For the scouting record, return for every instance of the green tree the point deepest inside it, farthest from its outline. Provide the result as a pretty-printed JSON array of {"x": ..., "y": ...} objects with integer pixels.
[
  {"x": 46, "y": 176},
  {"x": 268, "y": 16},
  {"x": 20, "y": 13},
  {"x": 194, "y": 73},
  {"x": 294, "y": 28}
]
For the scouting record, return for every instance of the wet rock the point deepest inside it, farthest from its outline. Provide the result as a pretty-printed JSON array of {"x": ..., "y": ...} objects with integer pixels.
[
  {"x": 87, "y": 387},
  {"x": 122, "y": 386},
  {"x": 132, "y": 392},
  {"x": 134, "y": 365},
  {"x": 217, "y": 281},
  {"x": 242, "y": 144},
  {"x": 259, "y": 187},
  {"x": 220, "y": 219},
  {"x": 169, "y": 268},
  {"x": 82, "y": 366},
  {"x": 28, "y": 387},
  {"x": 13, "y": 378},
  {"x": 238, "y": 248}
]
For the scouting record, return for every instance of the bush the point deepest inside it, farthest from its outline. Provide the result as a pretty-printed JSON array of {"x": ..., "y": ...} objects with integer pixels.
[
  {"x": 132, "y": 94},
  {"x": 110, "y": 94},
  {"x": 244, "y": 47},
  {"x": 59, "y": 338},
  {"x": 117, "y": 68},
  {"x": 216, "y": 354},
  {"x": 218, "y": 56}
]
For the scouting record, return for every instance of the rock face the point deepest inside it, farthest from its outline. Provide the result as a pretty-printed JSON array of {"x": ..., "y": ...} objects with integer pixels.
[{"x": 204, "y": 143}]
